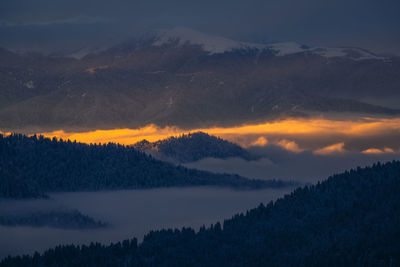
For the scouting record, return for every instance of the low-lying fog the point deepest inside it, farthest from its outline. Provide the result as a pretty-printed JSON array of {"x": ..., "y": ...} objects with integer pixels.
[
  {"x": 302, "y": 167},
  {"x": 132, "y": 213}
]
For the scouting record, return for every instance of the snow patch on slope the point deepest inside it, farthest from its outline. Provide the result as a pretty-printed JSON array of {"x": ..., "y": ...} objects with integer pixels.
[
  {"x": 90, "y": 49},
  {"x": 284, "y": 49},
  {"x": 353, "y": 53},
  {"x": 329, "y": 52},
  {"x": 288, "y": 48},
  {"x": 209, "y": 43}
]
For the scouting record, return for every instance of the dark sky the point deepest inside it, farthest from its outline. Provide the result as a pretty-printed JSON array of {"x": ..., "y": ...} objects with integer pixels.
[{"x": 372, "y": 24}]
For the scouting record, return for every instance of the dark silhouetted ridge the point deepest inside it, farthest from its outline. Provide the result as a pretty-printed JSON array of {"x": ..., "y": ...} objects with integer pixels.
[
  {"x": 31, "y": 166},
  {"x": 195, "y": 146}
]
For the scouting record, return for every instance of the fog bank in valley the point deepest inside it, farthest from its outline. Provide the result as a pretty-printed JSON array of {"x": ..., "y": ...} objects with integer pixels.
[
  {"x": 280, "y": 164},
  {"x": 130, "y": 213}
]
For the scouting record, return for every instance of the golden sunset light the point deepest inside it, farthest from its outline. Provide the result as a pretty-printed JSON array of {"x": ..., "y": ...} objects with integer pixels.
[
  {"x": 335, "y": 148},
  {"x": 378, "y": 151},
  {"x": 283, "y": 133}
]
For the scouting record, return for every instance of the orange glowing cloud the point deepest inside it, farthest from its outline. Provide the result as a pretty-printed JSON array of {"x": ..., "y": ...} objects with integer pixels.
[
  {"x": 123, "y": 136},
  {"x": 261, "y": 141},
  {"x": 332, "y": 149},
  {"x": 361, "y": 127},
  {"x": 290, "y": 145},
  {"x": 286, "y": 133},
  {"x": 378, "y": 151}
]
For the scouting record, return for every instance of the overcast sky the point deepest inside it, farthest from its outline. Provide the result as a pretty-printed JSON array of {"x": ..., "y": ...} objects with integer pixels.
[{"x": 373, "y": 24}]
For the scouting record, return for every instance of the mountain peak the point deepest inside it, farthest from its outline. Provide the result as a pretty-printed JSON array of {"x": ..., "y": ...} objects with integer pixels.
[
  {"x": 217, "y": 44},
  {"x": 210, "y": 43},
  {"x": 195, "y": 146}
]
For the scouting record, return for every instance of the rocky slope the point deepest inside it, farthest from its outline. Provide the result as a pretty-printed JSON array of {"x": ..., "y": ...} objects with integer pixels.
[{"x": 180, "y": 78}]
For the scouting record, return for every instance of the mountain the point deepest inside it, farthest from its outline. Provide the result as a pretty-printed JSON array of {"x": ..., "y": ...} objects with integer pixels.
[
  {"x": 181, "y": 36},
  {"x": 351, "y": 219},
  {"x": 193, "y": 147},
  {"x": 217, "y": 45},
  {"x": 186, "y": 79},
  {"x": 31, "y": 166}
]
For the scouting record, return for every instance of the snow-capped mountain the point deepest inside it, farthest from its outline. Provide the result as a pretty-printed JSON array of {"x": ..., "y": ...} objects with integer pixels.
[
  {"x": 189, "y": 79},
  {"x": 209, "y": 43},
  {"x": 217, "y": 44}
]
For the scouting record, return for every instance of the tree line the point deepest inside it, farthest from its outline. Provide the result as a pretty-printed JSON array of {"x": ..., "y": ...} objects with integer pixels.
[
  {"x": 350, "y": 219},
  {"x": 32, "y": 166}
]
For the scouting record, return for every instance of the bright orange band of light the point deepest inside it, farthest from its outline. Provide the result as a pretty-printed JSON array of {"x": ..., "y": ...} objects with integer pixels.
[{"x": 294, "y": 127}]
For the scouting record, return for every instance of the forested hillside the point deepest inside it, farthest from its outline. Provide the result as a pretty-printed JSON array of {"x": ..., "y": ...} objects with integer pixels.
[
  {"x": 137, "y": 83},
  {"x": 66, "y": 219},
  {"x": 31, "y": 166},
  {"x": 351, "y": 219},
  {"x": 195, "y": 146}
]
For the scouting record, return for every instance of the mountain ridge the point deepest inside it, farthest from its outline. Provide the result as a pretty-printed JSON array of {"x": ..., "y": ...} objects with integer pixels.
[
  {"x": 137, "y": 83},
  {"x": 216, "y": 44},
  {"x": 193, "y": 147},
  {"x": 30, "y": 167}
]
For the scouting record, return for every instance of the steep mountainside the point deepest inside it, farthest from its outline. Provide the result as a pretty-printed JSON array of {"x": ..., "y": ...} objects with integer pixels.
[
  {"x": 193, "y": 147},
  {"x": 178, "y": 78},
  {"x": 30, "y": 166},
  {"x": 351, "y": 219}
]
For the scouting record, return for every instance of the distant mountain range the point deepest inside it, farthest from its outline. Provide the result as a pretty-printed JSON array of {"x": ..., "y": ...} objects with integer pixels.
[
  {"x": 189, "y": 79},
  {"x": 193, "y": 147},
  {"x": 351, "y": 219}
]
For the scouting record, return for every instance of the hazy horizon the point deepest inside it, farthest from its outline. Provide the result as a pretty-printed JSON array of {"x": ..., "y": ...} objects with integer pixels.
[{"x": 368, "y": 24}]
